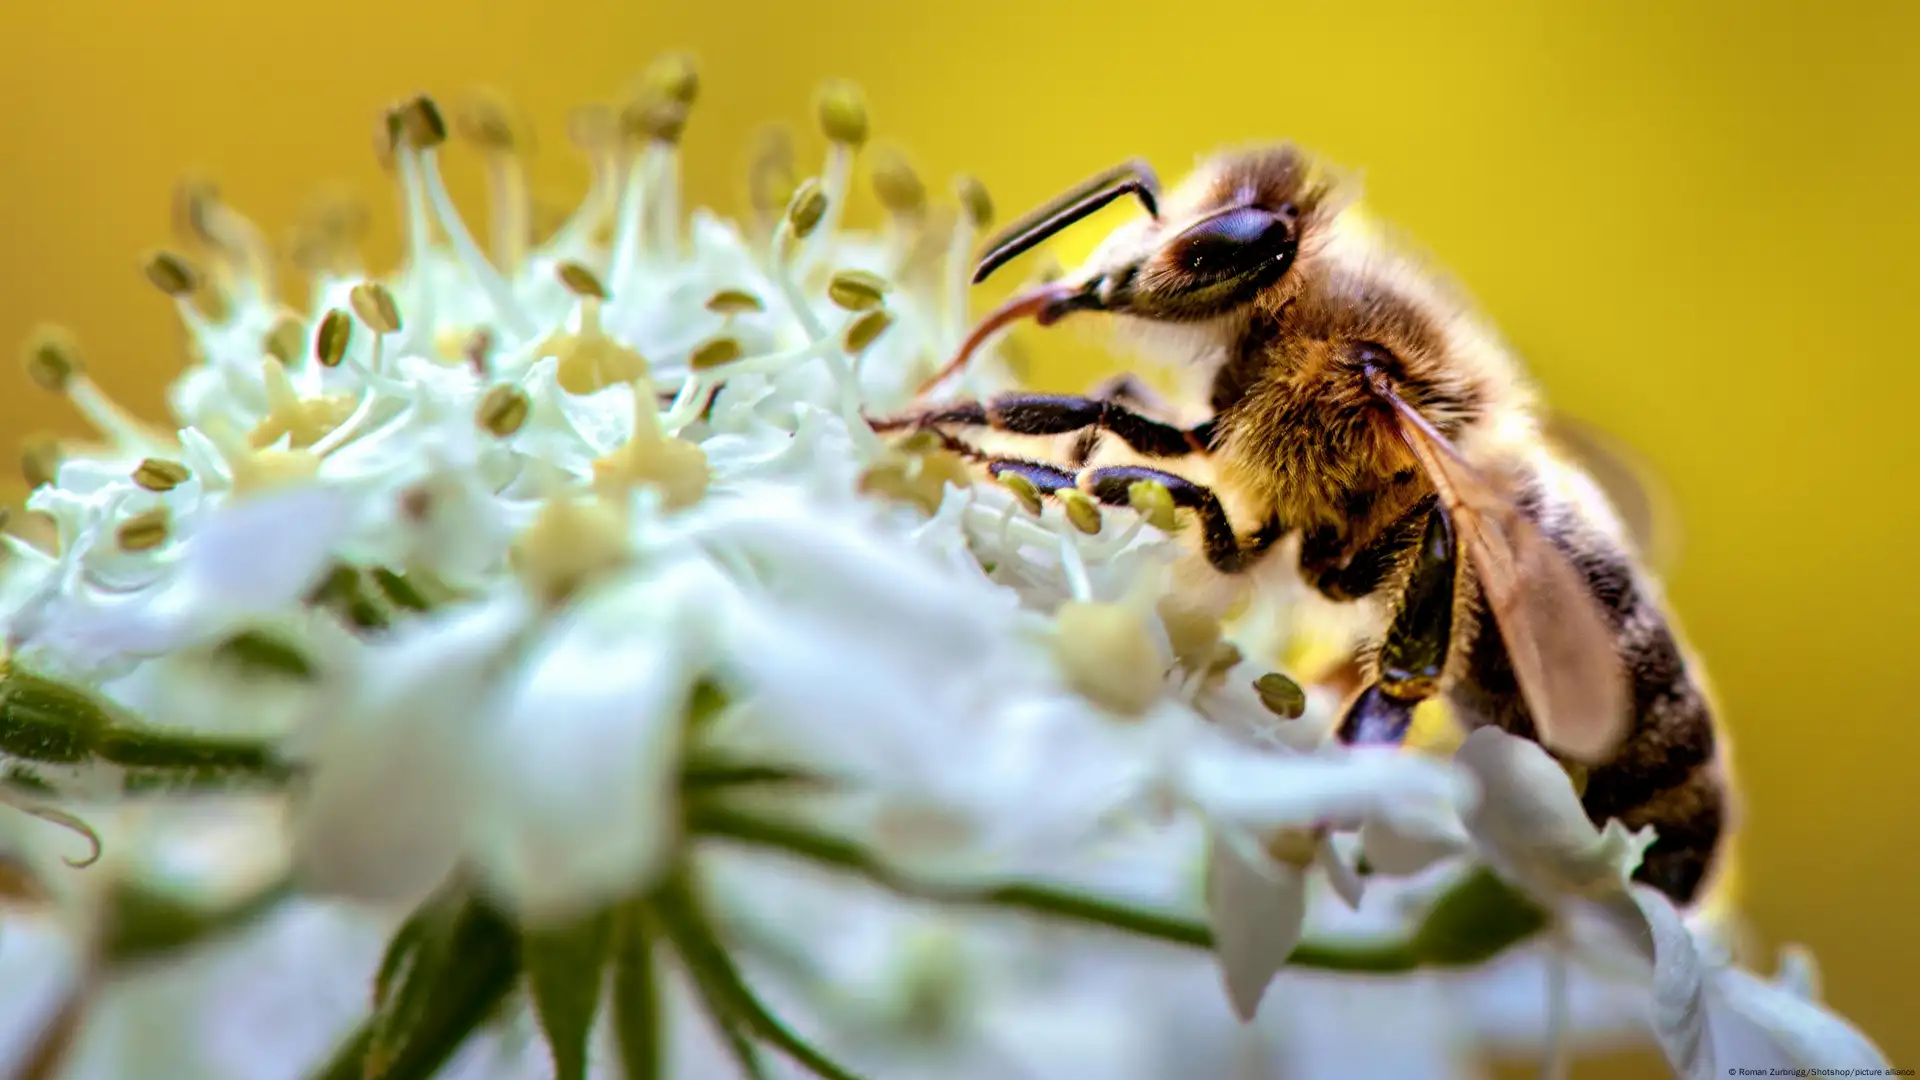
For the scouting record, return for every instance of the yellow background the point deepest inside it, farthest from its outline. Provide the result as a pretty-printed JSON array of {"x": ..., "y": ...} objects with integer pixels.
[{"x": 1698, "y": 220}]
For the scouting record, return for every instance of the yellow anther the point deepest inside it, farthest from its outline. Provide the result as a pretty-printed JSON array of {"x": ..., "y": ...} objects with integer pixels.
[
  {"x": 159, "y": 474},
  {"x": 375, "y": 305},
  {"x": 40, "y": 458},
  {"x": 417, "y": 124},
  {"x": 1282, "y": 696},
  {"x": 143, "y": 531},
  {"x": 866, "y": 330},
  {"x": 330, "y": 340},
  {"x": 1023, "y": 489},
  {"x": 734, "y": 302},
  {"x": 569, "y": 543},
  {"x": 486, "y": 118},
  {"x": 285, "y": 340},
  {"x": 808, "y": 206},
  {"x": 1295, "y": 847},
  {"x": 843, "y": 113},
  {"x": 660, "y": 120},
  {"x": 1108, "y": 656},
  {"x": 714, "y": 353},
  {"x": 857, "y": 290},
  {"x": 580, "y": 281},
  {"x": 53, "y": 359},
  {"x": 1152, "y": 500},
  {"x": 1082, "y": 511},
  {"x": 673, "y": 77},
  {"x": 974, "y": 200},
  {"x": 897, "y": 185},
  {"x": 503, "y": 410},
  {"x": 172, "y": 274}
]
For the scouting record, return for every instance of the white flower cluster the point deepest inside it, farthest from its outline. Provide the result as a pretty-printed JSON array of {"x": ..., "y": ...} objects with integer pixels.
[{"x": 575, "y": 571}]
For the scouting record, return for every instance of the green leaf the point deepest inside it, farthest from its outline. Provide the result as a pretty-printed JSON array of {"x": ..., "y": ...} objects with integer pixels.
[
  {"x": 727, "y": 992},
  {"x": 636, "y": 997},
  {"x": 145, "y": 924},
  {"x": 1474, "y": 921},
  {"x": 565, "y": 967},
  {"x": 446, "y": 970}
]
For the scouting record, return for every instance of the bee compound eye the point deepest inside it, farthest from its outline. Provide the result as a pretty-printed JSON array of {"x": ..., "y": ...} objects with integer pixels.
[{"x": 1234, "y": 243}]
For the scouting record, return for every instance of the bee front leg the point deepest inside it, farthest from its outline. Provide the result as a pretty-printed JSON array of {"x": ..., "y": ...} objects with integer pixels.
[
  {"x": 1413, "y": 655},
  {"x": 1060, "y": 414}
]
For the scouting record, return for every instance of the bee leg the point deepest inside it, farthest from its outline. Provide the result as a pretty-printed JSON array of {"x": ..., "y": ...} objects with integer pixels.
[
  {"x": 1060, "y": 414},
  {"x": 1413, "y": 655},
  {"x": 1126, "y": 389},
  {"x": 1047, "y": 479},
  {"x": 1227, "y": 550}
]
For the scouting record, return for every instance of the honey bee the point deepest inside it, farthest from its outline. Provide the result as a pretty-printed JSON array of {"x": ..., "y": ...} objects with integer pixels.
[{"x": 1359, "y": 406}]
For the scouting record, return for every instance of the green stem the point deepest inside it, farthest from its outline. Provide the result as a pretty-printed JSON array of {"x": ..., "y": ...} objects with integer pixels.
[{"x": 1409, "y": 954}]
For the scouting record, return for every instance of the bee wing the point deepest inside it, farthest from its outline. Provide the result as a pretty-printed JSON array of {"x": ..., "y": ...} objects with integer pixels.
[
  {"x": 1556, "y": 636},
  {"x": 1635, "y": 492}
]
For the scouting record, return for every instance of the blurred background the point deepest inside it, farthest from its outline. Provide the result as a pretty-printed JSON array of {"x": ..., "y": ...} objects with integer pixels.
[{"x": 1696, "y": 220}]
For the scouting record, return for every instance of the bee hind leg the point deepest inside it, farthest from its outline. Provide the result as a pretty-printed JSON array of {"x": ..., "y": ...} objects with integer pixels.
[
  {"x": 1061, "y": 414},
  {"x": 1227, "y": 550},
  {"x": 1413, "y": 654}
]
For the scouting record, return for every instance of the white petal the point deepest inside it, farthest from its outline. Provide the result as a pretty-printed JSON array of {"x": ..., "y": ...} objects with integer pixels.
[
  {"x": 1530, "y": 825},
  {"x": 1256, "y": 906},
  {"x": 1398, "y": 851},
  {"x": 1679, "y": 987},
  {"x": 263, "y": 553},
  {"x": 1349, "y": 786},
  {"x": 1759, "y": 1023},
  {"x": 390, "y": 786},
  {"x": 38, "y": 968},
  {"x": 578, "y": 764}
]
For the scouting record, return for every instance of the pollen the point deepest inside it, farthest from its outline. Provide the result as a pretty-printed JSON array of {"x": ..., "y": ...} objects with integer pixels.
[
  {"x": 159, "y": 474},
  {"x": 1109, "y": 656},
  {"x": 144, "y": 531}
]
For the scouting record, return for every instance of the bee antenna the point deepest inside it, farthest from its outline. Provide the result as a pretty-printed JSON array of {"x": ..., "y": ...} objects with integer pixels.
[{"x": 1133, "y": 177}]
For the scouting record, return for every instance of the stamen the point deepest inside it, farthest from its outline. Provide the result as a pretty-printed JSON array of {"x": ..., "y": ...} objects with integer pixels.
[
  {"x": 1082, "y": 512},
  {"x": 246, "y": 260},
  {"x": 40, "y": 458},
  {"x": 734, "y": 302},
  {"x": 53, "y": 362},
  {"x": 425, "y": 131},
  {"x": 144, "y": 531},
  {"x": 376, "y": 307},
  {"x": 1282, "y": 696},
  {"x": 326, "y": 237},
  {"x": 1023, "y": 490},
  {"x": 419, "y": 219},
  {"x": 842, "y": 112},
  {"x": 714, "y": 353},
  {"x": 595, "y": 132},
  {"x": 257, "y": 471},
  {"x": 1074, "y": 566},
  {"x": 503, "y": 410},
  {"x": 976, "y": 213},
  {"x": 675, "y": 80},
  {"x": 1152, "y": 500},
  {"x": 896, "y": 184},
  {"x": 771, "y": 176},
  {"x": 568, "y": 544},
  {"x": 857, "y": 290},
  {"x": 285, "y": 341},
  {"x": 804, "y": 214},
  {"x": 580, "y": 281},
  {"x": 160, "y": 474},
  {"x": 630, "y": 220},
  {"x": 489, "y": 121},
  {"x": 864, "y": 331},
  {"x": 330, "y": 340},
  {"x": 303, "y": 422}
]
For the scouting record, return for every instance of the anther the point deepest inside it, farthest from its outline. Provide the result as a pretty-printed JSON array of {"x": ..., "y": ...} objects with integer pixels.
[
  {"x": 580, "y": 281},
  {"x": 1152, "y": 500},
  {"x": 143, "y": 531},
  {"x": 40, "y": 458},
  {"x": 159, "y": 474},
  {"x": 374, "y": 303},
  {"x": 1282, "y": 696},
  {"x": 771, "y": 179},
  {"x": 486, "y": 119},
  {"x": 417, "y": 124},
  {"x": 284, "y": 341},
  {"x": 808, "y": 206},
  {"x": 1081, "y": 510},
  {"x": 974, "y": 200},
  {"x": 503, "y": 410},
  {"x": 714, "y": 353},
  {"x": 843, "y": 113},
  {"x": 734, "y": 302},
  {"x": 172, "y": 274},
  {"x": 857, "y": 290},
  {"x": 53, "y": 359},
  {"x": 866, "y": 330},
  {"x": 330, "y": 340},
  {"x": 1023, "y": 489},
  {"x": 659, "y": 120},
  {"x": 896, "y": 184},
  {"x": 673, "y": 77}
]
